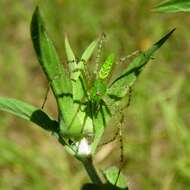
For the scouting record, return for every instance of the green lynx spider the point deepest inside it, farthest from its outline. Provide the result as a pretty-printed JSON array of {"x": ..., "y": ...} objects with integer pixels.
[
  {"x": 94, "y": 97},
  {"x": 85, "y": 111}
]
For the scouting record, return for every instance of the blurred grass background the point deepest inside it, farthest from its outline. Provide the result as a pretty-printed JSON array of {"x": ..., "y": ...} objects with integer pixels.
[{"x": 157, "y": 136}]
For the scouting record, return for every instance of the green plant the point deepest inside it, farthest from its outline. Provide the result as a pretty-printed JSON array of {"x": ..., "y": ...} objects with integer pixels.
[
  {"x": 85, "y": 108},
  {"x": 174, "y": 6}
]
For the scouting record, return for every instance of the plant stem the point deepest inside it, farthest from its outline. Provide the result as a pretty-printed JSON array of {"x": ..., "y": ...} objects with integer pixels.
[{"x": 90, "y": 169}]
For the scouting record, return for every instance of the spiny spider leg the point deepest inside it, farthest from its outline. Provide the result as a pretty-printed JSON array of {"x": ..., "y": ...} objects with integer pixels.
[
  {"x": 121, "y": 149},
  {"x": 127, "y": 57},
  {"x": 46, "y": 96},
  {"x": 121, "y": 136},
  {"x": 82, "y": 99},
  {"x": 79, "y": 107},
  {"x": 129, "y": 96},
  {"x": 99, "y": 50},
  {"x": 120, "y": 111},
  {"x": 124, "y": 59},
  {"x": 112, "y": 139},
  {"x": 77, "y": 61},
  {"x": 48, "y": 89},
  {"x": 84, "y": 72}
]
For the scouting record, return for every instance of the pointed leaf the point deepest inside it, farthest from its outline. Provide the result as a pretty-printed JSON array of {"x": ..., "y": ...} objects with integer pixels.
[
  {"x": 84, "y": 59},
  {"x": 70, "y": 55},
  {"x": 115, "y": 177},
  {"x": 89, "y": 51},
  {"x": 120, "y": 86},
  {"x": 55, "y": 73},
  {"x": 79, "y": 83},
  {"x": 28, "y": 112},
  {"x": 47, "y": 55},
  {"x": 174, "y": 6},
  {"x": 69, "y": 52}
]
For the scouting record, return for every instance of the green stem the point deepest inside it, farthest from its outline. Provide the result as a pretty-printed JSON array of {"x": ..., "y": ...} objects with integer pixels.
[{"x": 90, "y": 169}]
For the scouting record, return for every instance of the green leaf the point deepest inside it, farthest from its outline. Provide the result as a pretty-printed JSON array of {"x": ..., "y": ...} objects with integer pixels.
[
  {"x": 120, "y": 86},
  {"x": 48, "y": 57},
  {"x": 70, "y": 56},
  {"x": 28, "y": 112},
  {"x": 100, "y": 123},
  {"x": 115, "y": 177},
  {"x": 89, "y": 51},
  {"x": 79, "y": 82},
  {"x": 57, "y": 76},
  {"x": 174, "y": 6},
  {"x": 79, "y": 86},
  {"x": 49, "y": 60},
  {"x": 69, "y": 52},
  {"x": 84, "y": 58}
]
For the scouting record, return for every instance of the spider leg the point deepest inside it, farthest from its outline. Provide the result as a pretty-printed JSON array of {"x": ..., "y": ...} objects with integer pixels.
[
  {"x": 120, "y": 112},
  {"x": 127, "y": 57},
  {"x": 79, "y": 107},
  {"x": 121, "y": 148},
  {"x": 112, "y": 139},
  {"x": 121, "y": 136},
  {"x": 46, "y": 96},
  {"x": 129, "y": 96},
  {"x": 48, "y": 89},
  {"x": 99, "y": 50}
]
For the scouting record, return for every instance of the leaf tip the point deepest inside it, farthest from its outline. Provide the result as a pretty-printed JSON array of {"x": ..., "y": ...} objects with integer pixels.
[
  {"x": 36, "y": 12},
  {"x": 66, "y": 38},
  {"x": 162, "y": 40}
]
